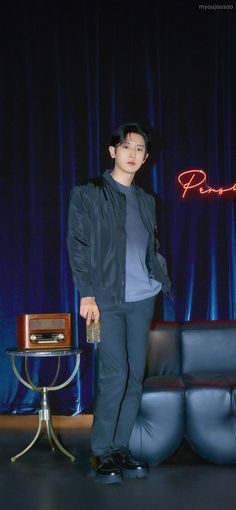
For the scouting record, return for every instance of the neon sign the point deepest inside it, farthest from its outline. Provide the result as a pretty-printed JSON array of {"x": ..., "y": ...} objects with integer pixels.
[{"x": 196, "y": 179}]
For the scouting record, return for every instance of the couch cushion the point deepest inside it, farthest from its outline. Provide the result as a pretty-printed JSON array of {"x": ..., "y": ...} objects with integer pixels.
[
  {"x": 211, "y": 422},
  {"x": 208, "y": 346},
  {"x": 163, "y": 383},
  {"x": 159, "y": 426},
  {"x": 205, "y": 380},
  {"x": 163, "y": 354}
]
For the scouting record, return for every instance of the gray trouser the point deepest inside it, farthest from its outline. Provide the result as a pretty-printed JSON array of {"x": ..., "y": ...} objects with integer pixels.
[{"x": 121, "y": 363}]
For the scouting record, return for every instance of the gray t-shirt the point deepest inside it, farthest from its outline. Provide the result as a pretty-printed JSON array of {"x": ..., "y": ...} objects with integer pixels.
[{"x": 138, "y": 284}]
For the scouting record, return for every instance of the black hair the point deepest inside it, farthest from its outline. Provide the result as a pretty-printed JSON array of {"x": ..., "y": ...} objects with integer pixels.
[{"x": 120, "y": 134}]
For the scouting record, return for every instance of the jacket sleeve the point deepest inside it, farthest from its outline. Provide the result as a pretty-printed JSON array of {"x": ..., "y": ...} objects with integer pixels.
[{"x": 78, "y": 241}]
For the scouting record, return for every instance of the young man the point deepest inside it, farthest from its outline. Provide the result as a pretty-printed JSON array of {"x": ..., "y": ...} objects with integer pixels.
[{"x": 118, "y": 271}]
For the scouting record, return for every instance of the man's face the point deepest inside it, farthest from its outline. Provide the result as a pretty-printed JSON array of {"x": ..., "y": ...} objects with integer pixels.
[{"x": 131, "y": 154}]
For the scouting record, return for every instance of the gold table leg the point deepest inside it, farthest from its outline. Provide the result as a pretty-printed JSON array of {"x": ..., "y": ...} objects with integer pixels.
[
  {"x": 44, "y": 413},
  {"x": 45, "y": 416}
]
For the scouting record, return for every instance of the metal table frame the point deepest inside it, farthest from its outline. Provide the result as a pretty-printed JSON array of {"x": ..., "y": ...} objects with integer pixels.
[{"x": 44, "y": 412}]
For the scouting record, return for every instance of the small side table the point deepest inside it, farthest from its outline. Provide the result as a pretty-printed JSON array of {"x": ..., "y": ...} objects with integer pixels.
[{"x": 44, "y": 412}]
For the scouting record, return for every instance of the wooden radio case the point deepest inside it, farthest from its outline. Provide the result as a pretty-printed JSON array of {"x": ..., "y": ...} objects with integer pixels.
[{"x": 43, "y": 331}]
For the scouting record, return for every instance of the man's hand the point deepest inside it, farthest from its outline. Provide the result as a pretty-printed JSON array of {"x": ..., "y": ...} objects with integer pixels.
[{"x": 89, "y": 310}]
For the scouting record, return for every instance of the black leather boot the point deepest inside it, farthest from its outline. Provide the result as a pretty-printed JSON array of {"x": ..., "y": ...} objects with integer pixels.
[
  {"x": 104, "y": 469},
  {"x": 129, "y": 467}
]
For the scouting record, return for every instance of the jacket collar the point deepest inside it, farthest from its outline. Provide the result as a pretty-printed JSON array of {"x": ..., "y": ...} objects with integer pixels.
[{"x": 107, "y": 176}]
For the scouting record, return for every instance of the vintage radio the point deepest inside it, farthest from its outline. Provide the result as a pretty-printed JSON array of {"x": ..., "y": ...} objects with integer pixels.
[{"x": 44, "y": 331}]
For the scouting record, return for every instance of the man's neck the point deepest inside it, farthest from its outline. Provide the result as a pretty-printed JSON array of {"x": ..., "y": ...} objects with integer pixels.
[{"x": 122, "y": 178}]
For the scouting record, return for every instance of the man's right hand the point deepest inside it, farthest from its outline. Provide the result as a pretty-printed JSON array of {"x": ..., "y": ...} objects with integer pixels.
[{"x": 89, "y": 310}]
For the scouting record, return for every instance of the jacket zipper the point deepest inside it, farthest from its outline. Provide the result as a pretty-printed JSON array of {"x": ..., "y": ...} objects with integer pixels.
[{"x": 123, "y": 252}]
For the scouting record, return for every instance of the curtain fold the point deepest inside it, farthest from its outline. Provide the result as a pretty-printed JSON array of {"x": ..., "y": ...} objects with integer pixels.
[{"x": 69, "y": 75}]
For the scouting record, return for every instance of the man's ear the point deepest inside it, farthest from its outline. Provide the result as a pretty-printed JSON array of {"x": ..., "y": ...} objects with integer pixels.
[
  {"x": 145, "y": 159},
  {"x": 112, "y": 151}
]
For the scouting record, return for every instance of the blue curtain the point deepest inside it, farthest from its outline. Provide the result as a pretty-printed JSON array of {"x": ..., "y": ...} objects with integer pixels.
[{"x": 69, "y": 75}]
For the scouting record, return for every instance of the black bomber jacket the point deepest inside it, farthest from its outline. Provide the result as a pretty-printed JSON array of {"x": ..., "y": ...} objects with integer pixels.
[{"x": 96, "y": 239}]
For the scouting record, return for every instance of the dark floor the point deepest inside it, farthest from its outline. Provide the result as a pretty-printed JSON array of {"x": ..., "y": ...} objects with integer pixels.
[{"x": 42, "y": 480}]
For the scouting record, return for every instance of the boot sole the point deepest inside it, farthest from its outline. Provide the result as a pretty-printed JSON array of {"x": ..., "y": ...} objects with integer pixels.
[
  {"x": 106, "y": 479},
  {"x": 128, "y": 474}
]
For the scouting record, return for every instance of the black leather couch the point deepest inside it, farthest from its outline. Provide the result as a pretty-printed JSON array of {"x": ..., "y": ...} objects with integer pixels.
[{"x": 189, "y": 391}]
